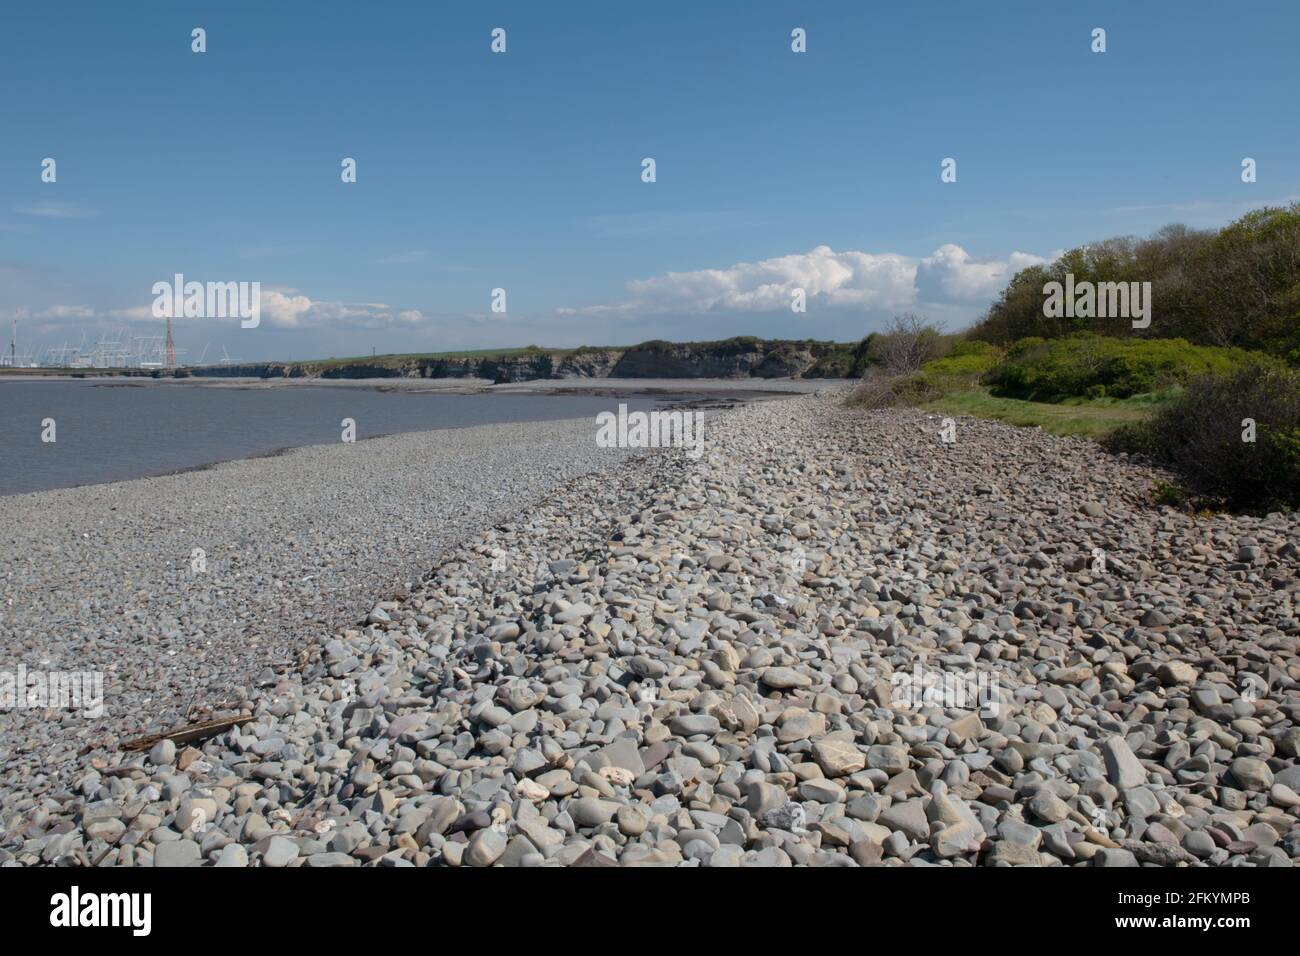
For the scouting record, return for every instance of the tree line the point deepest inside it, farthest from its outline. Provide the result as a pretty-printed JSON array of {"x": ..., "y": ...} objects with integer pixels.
[{"x": 1236, "y": 286}]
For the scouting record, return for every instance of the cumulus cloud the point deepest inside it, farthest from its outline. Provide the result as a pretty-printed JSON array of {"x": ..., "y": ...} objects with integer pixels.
[
  {"x": 280, "y": 309},
  {"x": 139, "y": 313},
  {"x": 284, "y": 311},
  {"x": 68, "y": 312},
  {"x": 343, "y": 315},
  {"x": 859, "y": 281},
  {"x": 50, "y": 313},
  {"x": 289, "y": 309},
  {"x": 839, "y": 278},
  {"x": 951, "y": 274}
]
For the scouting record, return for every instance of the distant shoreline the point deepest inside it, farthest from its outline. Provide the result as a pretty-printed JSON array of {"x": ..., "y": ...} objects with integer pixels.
[
  {"x": 738, "y": 358},
  {"x": 745, "y": 389}
]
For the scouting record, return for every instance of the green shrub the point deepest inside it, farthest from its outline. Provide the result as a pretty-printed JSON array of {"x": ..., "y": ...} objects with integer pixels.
[
  {"x": 962, "y": 368},
  {"x": 1019, "y": 347},
  {"x": 1176, "y": 496},
  {"x": 1096, "y": 367},
  {"x": 1201, "y": 435},
  {"x": 973, "y": 347}
]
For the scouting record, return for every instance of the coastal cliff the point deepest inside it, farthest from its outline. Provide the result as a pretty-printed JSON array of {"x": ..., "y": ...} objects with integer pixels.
[{"x": 744, "y": 357}]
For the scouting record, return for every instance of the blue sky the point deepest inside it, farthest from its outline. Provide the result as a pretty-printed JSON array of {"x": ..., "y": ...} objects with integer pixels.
[{"x": 522, "y": 170}]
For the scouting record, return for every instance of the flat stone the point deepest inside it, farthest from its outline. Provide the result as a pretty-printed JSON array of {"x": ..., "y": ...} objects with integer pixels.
[
  {"x": 163, "y": 753},
  {"x": 909, "y": 818},
  {"x": 1123, "y": 768},
  {"x": 232, "y": 855},
  {"x": 838, "y": 758},
  {"x": 1014, "y": 854},
  {"x": 177, "y": 853},
  {"x": 784, "y": 678},
  {"x": 330, "y": 860},
  {"x": 1108, "y": 857},
  {"x": 957, "y": 839},
  {"x": 688, "y": 725},
  {"x": 1047, "y": 806},
  {"x": 485, "y": 847},
  {"x": 624, "y": 753},
  {"x": 280, "y": 852},
  {"x": 1176, "y": 672},
  {"x": 592, "y": 812},
  {"x": 892, "y": 760},
  {"x": 1252, "y": 773}
]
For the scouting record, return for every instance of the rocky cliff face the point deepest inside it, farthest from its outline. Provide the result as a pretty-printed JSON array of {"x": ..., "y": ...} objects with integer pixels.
[
  {"x": 246, "y": 370},
  {"x": 733, "y": 358},
  {"x": 526, "y": 368}
]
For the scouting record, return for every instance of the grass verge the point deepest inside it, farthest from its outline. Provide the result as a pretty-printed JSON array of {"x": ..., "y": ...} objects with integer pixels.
[{"x": 1089, "y": 418}]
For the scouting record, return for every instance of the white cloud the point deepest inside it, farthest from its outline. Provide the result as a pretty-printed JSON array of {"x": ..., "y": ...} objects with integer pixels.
[
  {"x": 52, "y": 314},
  {"x": 350, "y": 315},
  {"x": 950, "y": 274},
  {"x": 139, "y": 313},
  {"x": 68, "y": 312},
  {"x": 284, "y": 311},
  {"x": 858, "y": 281},
  {"x": 281, "y": 309}
]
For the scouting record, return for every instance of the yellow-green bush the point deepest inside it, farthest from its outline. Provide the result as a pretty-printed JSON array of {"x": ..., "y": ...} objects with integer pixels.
[
  {"x": 963, "y": 367},
  {"x": 1091, "y": 366}
]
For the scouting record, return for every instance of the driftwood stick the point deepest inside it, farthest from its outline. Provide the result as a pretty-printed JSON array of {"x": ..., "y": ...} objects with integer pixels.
[{"x": 189, "y": 732}]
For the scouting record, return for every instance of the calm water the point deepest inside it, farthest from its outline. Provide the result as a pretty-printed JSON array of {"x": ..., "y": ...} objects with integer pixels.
[{"x": 114, "y": 432}]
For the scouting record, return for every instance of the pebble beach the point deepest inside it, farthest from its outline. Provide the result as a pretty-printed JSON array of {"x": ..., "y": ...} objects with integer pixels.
[
  {"x": 106, "y": 577},
  {"x": 506, "y": 646}
]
